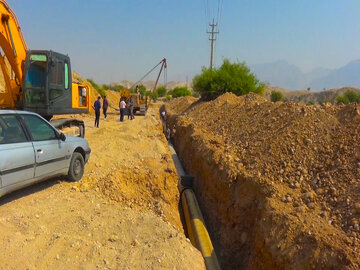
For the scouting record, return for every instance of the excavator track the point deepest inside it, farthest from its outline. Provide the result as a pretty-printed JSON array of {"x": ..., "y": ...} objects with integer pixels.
[{"x": 69, "y": 126}]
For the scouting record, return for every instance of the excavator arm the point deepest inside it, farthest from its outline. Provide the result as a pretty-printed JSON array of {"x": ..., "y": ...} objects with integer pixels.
[
  {"x": 14, "y": 49},
  {"x": 38, "y": 80}
]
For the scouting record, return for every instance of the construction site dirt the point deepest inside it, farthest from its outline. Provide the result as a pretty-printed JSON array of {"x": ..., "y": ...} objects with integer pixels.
[
  {"x": 123, "y": 214},
  {"x": 278, "y": 183}
]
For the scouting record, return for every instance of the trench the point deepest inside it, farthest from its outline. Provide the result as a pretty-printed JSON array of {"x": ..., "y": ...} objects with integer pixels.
[
  {"x": 229, "y": 219},
  {"x": 251, "y": 225},
  {"x": 237, "y": 213},
  {"x": 190, "y": 213}
]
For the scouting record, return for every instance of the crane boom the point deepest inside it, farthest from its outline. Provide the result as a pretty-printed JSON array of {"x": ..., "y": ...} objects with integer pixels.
[{"x": 163, "y": 66}]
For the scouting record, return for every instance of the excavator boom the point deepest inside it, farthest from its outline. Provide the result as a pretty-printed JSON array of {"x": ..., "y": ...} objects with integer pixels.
[
  {"x": 39, "y": 81},
  {"x": 14, "y": 47}
]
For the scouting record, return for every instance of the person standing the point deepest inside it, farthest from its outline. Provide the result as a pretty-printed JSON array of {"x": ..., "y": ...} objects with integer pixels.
[
  {"x": 138, "y": 91},
  {"x": 122, "y": 106},
  {"x": 131, "y": 109},
  {"x": 105, "y": 106},
  {"x": 97, "y": 107}
]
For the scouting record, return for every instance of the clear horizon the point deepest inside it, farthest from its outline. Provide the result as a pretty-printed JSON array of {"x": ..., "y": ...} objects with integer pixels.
[{"x": 110, "y": 40}]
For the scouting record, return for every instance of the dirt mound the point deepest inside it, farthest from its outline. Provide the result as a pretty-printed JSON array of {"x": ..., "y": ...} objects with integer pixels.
[
  {"x": 134, "y": 167},
  {"x": 179, "y": 105},
  {"x": 278, "y": 181}
]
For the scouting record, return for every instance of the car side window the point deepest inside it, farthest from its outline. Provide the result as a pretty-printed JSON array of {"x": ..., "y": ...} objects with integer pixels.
[
  {"x": 11, "y": 130},
  {"x": 39, "y": 129}
]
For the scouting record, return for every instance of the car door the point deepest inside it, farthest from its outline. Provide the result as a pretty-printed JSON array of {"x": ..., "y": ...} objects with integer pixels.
[
  {"x": 17, "y": 157},
  {"x": 51, "y": 153}
]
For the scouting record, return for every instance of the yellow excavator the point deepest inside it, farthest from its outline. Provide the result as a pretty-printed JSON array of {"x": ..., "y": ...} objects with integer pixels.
[{"x": 38, "y": 80}]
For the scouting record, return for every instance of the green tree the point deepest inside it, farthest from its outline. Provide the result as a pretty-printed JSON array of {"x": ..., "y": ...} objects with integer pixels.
[
  {"x": 180, "y": 92},
  {"x": 142, "y": 89},
  {"x": 276, "y": 96},
  {"x": 230, "y": 77},
  {"x": 349, "y": 97},
  {"x": 154, "y": 96},
  {"x": 161, "y": 91},
  {"x": 148, "y": 93}
]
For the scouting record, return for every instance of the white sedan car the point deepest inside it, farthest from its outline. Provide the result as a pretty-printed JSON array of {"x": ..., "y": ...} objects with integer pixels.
[{"x": 32, "y": 150}]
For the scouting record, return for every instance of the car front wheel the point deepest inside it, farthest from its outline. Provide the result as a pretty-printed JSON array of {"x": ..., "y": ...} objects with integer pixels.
[{"x": 76, "y": 169}]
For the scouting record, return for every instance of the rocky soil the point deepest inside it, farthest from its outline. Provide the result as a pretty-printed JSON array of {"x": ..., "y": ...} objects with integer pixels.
[
  {"x": 278, "y": 182},
  {"x": 123, "y": 214}
]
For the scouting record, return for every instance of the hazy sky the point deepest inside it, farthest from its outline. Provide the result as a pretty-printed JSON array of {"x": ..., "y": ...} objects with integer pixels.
[{"x": 113, "y": 40}]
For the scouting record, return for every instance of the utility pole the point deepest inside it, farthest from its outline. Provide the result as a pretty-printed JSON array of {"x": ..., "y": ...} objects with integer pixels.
[{"x": 212, "y": 39}]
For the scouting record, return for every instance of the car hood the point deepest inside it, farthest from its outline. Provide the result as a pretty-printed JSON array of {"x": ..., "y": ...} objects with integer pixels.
[{"x": 77, "y": 141}]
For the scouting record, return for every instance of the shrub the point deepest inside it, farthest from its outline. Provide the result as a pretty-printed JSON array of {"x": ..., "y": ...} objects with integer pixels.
[
  {"x": 310, "y": 103},
  {"x": 180, "y": 92},
  {"x": 230, "y": 77},
  {"x": 117, "y": 87},
  {"x": 276, "y": 96},
  {"x": 349, "y": 97},
  {"x": 99, "y": 89},
  {"x": 142, "y": 90},
  {"x": 168, "y": 97},
  {"x": 154, "y": 96},
  {"x": 161, "y": 91}
]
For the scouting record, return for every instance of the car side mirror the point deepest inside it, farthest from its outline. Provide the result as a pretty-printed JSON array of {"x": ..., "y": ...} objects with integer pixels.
[{"x": 62, "y": 137}]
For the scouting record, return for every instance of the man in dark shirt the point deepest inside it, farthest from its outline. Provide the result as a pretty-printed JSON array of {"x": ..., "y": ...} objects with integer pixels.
[
  {"x": 97, "y": 107},
  {"x": 105, "y": 106},
  {"x": 131, "y": 109}
]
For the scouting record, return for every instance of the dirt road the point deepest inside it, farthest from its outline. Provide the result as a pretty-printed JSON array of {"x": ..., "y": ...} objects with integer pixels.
[{"x": 122, "y": 215}]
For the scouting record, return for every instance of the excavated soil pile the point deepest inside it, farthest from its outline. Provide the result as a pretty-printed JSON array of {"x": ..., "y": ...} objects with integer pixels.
[
  {"x": 278, "y": 182},
  {"x": 180, "y": 105}
]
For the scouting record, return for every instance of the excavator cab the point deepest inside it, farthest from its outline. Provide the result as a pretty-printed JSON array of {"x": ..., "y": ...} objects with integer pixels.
[{"x": 48, "y": 88}]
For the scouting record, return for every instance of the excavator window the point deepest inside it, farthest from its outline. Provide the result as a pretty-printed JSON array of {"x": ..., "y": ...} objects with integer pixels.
[
  {"x": 56, "y": 79},
  {"x": 36, "y": 76},
  {"x": 57, "y": 73},
  {"x": 66, "y": 76},
  {"x": 36, "y": 80},
  {"x": 38, "y": 57}
]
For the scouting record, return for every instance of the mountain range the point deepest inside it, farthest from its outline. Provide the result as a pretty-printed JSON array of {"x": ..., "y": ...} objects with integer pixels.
[{"x": 289, "y": 76}]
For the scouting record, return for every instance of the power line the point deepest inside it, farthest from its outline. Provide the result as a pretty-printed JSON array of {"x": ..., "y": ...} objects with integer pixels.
[
  {"x": 214, "y": 27},
  {"x": 220, "y": 4},
  {"x": 220, "y": 13},
  {"x": 208, "y": 10}
]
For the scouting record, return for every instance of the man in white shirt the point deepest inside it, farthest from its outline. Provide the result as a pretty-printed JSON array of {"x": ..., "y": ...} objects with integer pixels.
[{"x": 122, "y": 106}]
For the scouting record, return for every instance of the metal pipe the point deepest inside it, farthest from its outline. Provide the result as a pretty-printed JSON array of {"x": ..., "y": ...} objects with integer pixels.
[
  {"x": 196, "y": 229},
  {"x": 194, "y": 220}
]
